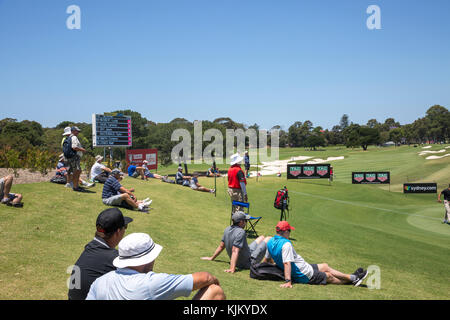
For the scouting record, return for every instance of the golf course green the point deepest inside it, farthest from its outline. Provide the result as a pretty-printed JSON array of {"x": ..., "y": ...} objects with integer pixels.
[{"x": 340, "y": 223}]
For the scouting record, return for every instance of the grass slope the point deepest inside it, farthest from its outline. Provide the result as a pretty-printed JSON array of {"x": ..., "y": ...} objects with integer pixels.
[{"x": 342, "y": 224}]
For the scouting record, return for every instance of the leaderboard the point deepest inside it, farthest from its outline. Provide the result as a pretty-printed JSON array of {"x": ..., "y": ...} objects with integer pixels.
[{"x": 111, "y": 130}]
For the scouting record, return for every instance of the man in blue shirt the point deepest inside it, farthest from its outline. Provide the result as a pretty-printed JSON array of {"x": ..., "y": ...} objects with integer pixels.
[
  {"x": 297, "y": 270},
  {"x": 114, "y": 194},
  {"x": 135, "y": 280}
]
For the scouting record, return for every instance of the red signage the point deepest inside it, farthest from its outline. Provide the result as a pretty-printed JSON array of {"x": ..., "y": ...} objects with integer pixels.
[{"x": 139, "y": 155}]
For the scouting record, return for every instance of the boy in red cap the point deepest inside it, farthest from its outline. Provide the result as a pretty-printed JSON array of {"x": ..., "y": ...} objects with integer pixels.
[{"x": 296, "y": 269}]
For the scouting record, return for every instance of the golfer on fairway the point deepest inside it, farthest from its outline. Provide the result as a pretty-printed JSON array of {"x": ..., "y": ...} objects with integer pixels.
[{"x": 446, "y": 193}]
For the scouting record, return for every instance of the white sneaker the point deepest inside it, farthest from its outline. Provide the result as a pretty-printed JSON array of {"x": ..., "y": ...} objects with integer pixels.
[
  {"x": 147, "y": 203},
  {"x": 141, "y": 207},
  {"x": 146, "y": 199},
  {"x": 69, "y": 185}
]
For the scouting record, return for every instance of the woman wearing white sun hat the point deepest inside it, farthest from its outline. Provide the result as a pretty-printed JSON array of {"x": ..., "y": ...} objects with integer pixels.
[{"x": 135, "y": 280}]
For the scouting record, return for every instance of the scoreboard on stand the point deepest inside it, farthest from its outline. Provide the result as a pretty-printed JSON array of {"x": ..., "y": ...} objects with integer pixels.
[{"x": 111, "y": 130}]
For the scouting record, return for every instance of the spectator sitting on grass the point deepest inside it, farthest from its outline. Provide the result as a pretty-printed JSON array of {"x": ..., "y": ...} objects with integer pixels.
[
  {"x": 98, "y": 255},
  {"x": 10, "y": 199},
  {"x": 193, "y": 183},
  {"x": 180, "y": 178},
  {"x": 297, "y": 270},
  {"x": 114, "y": 194},
  {"x": 135, "y": 279},
  {"x": 99, "y": 172},
  {"x": 148, "y": 174},
  {"x": 62, "y": 171},
  {"x": 134, "y": 171},
  {"x": 234, "y": 240},
  {"x": 213, "y": 172}
]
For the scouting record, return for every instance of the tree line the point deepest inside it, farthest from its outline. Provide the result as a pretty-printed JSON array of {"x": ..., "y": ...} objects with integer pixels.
[{"x": 28, "y": 144}]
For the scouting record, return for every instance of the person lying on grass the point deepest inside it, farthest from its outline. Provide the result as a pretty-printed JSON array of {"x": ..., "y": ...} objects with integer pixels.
[
  {"x": 114, "y": 194},
  {"x": 234, "y": 240},
  {"x": 193, "y": 183},
  {"x": 10, "y": 199},
  {"x": 297, "y": 270},
  {"x": 145, "y": 172}
]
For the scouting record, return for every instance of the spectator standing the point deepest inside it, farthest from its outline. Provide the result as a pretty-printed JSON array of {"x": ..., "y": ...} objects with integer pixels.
[
  {"x": 446, "y": 194},
  {"x": 236, "y": 181}
]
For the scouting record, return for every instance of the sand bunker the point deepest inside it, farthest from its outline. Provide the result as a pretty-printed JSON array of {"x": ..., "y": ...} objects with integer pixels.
[
  {"x": 437, "y": 157},
  {"x": 314, "y": 161},
  {"x": 426, "y": 152},
  {"x": 280, "y": 166}
]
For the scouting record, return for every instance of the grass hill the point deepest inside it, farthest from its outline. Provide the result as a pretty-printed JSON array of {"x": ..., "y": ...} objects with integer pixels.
[{"x": 344, "y": 225}]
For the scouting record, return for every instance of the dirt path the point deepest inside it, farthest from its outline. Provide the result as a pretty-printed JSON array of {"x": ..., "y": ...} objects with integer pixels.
[{"x": 26, "y": 176}]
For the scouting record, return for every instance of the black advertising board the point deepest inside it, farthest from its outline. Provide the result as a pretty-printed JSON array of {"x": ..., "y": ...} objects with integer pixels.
[
  {"x": 308, "y": 171},
  {"x": 376, "y": 177},
  {"x": 420, "y": 188},
  {"x": 111, "y": 130}
]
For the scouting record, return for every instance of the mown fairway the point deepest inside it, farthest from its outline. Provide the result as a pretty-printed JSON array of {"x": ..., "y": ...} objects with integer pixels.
[{"x": 342, "y": 224}]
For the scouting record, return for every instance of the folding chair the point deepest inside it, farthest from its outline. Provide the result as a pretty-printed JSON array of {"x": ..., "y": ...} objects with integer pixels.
[{"x": 252, "y": 222}]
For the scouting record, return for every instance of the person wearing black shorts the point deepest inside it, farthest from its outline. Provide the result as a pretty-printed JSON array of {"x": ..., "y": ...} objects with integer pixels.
[{"x": 297, "y": 270}]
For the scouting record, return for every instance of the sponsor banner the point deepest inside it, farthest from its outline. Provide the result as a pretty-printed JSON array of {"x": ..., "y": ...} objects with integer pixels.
[
  {"x": 308, "y": 171},
  {"x": 420, "y": 188},
  {"x": 371, "y": 177},
  {"x": 139, "y": 155}
]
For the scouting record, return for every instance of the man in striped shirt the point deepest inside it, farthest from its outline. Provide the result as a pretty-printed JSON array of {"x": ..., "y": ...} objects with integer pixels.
[{"x": 114, "y": 194}]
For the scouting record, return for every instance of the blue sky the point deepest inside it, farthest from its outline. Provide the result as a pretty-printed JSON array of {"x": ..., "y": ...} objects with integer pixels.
[{"x": 265, "y": 62}]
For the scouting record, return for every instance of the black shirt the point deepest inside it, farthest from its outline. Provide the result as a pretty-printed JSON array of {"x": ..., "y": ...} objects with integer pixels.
[
  {"x": 95, "y": 261},
  {"x": 446, "y": 194}
]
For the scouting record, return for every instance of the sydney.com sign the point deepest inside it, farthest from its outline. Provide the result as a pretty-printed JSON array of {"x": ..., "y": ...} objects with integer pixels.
[{"x": 419, "y": 188}]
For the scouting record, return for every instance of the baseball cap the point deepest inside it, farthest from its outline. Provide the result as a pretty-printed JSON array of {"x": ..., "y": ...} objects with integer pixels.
[
  {"x": 116, "y": 171},
  {"x": 98, "y": 158},
  {"x": 75, "y": 128},
  {"x": 110, "y": 220},
  {"x": 283, "y": 226},
  {"x": 239, "y": 216}
]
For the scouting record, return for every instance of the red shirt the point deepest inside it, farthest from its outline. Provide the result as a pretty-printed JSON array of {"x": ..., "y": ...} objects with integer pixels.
[{"x": 235, "y": 177}]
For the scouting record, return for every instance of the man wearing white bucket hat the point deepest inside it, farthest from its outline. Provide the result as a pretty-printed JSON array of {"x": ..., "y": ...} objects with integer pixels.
[
  {"x": 99, "y": 172},
  {"x": 135, "y": 280},
  {"x": 236, "y": 180}
]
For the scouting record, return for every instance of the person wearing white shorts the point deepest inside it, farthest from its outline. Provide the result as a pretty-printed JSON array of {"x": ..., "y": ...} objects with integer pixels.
[{"x": 446, "y": 193}]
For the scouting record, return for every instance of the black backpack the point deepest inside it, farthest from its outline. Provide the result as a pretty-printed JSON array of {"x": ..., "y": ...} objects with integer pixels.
[
  {"x": 281, "y": 198},
  {"x": 266, "y": 271},
  {"x": 67, "y": 148}
]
